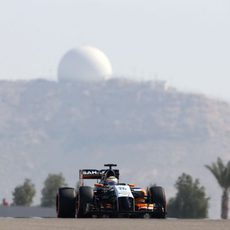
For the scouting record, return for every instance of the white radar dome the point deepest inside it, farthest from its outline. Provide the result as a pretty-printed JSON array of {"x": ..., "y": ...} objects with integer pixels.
[{"x": 84, "y": 64}]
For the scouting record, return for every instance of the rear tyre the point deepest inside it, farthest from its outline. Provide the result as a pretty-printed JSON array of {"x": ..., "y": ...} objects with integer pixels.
[
  {"x": 157, "y": 197},
  {"x": 66, "y": 203},
  {"x": 85, "y": 198}
]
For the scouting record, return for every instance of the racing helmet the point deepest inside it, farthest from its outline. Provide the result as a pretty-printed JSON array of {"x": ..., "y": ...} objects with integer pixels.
[{"x": 111, "y": 180}]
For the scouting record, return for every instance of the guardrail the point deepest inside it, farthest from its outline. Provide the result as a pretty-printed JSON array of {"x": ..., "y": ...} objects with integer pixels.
[{"x": 15, "y": 211}]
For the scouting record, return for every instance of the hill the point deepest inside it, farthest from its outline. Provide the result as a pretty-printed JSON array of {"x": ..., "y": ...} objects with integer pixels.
[{"x": 152, "y": 132}]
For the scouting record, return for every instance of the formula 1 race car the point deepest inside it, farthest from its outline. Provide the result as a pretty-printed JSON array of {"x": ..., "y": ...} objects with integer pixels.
[{"x": 109, "y": 198}]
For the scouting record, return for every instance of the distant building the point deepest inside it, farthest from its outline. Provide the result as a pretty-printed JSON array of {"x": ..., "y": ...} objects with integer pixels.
[{"x": 84, "y": 64}]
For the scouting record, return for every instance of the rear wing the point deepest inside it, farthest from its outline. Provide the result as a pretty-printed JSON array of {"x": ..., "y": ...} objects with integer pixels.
[{"x": 95, "y": 174}]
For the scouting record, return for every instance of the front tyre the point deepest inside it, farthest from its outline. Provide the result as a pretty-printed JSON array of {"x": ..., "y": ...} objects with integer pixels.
[
  {"x": 66, "y": 202},
  {"x": 157, "y": 197},
  {"x": 85, "y": 198}
]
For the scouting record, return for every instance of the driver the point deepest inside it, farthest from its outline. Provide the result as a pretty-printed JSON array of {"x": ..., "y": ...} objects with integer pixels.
[{"x": 111, "y": 180}]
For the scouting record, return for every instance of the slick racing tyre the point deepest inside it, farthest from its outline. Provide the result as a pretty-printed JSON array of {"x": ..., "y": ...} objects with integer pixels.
[
  {"x": 85, "y": 198},
  {"x": 157, "y": 197},
  {"x": 66, "y": 203}
]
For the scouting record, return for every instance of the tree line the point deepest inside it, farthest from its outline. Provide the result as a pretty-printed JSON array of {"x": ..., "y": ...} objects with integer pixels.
[
  {"x": 23, "y": 194},
  {"x": 190, "y": 200}
]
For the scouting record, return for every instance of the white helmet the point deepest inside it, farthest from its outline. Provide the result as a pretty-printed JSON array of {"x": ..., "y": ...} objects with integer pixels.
[{"x": 112, "y": 180}]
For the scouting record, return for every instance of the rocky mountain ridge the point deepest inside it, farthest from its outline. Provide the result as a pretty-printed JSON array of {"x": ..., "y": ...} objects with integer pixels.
[{"x": 152, "y": 132}]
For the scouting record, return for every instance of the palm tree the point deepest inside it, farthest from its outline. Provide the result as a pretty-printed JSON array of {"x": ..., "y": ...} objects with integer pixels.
[{"x": 222, "y": 174}]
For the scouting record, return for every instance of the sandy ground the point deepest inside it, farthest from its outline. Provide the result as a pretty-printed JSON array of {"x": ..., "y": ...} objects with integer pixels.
[{"x": 111, "y": 224}]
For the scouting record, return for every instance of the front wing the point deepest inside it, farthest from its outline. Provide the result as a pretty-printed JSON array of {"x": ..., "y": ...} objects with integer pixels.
[{"x": 156, "y": 212}]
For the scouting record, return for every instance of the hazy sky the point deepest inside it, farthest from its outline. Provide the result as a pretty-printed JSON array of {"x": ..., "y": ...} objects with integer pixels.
[{"x": 186, "y": 42}]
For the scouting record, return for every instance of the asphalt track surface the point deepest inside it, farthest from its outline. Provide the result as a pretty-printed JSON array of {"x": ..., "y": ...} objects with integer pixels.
[{"x": 111, "y": 224}]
